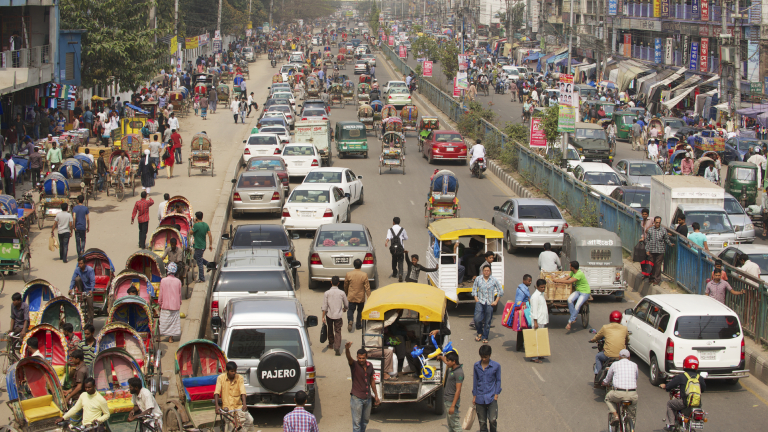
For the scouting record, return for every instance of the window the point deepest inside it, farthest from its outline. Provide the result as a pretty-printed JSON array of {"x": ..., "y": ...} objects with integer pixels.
[
  {"x": 710, "y": 222},
  {"x": 729, "y": 255},
  {"x": 600, "y": 254},
  {"x": 323, "y": 177},
  {"x": 350, "y": 177},
  {"x": 338, "y": 194},
  {"x": 299, "y": 151},
  {"x": 644, "y": 169},
  {"x": 538, "y": 212},
  {"x": 745, "y": 174},
  {"x": 262, "y": 140},
  {"x": 638, "y": 198},
  {"x": 252, "y": 343},
  {"x": 732, "y": 207},
  {"x": 70, "y": 66},
  {"x": 271, "y": 164},
  {"x": 663, "y": 321},
  {"x": 341, "y": 238},
  {"x": 309, "y": 196},
  {"x": 261, "y": 238},
  {"x": 505, "y": 207},
  {"x": 707, "y": 327},
  {"x": 653, "y": 314},
  {"x": 243, "y": 281},
  {"x": 641, "y": 311},
  {"x": 256, "y": 181}
]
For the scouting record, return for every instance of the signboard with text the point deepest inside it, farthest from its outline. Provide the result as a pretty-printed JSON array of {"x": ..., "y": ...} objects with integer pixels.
[
  {"x": 463, "y": 62},
  {"x": 402, "y": 51},
  {"x": 704, "y": 55},
  {"x": 190, "y": 42},
  {"x": 538, "y": 137},
  {"x": 656, "y": 8},
  {"x": 657, "y": 50},
  {"x": 566, "y": 121},
  {"x": 704, "y": 10},
  {"x": 669, "y": 51},
  {"x": 456, "y": 89},
  {"x": 627, "y": 45},
  {"x": 391, "y": 41},
  {"x": 665, "y": 8},
  {"x": 613, "y": 6},
  {"x": 695, "y": 8},
  {"x": 427, "y": 68},
  {"x": 567, "y": 92},
  {"x": 694, "y": 62}
]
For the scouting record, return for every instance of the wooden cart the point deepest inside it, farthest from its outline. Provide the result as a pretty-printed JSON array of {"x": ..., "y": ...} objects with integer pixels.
[{"x": 557, "y": 296}]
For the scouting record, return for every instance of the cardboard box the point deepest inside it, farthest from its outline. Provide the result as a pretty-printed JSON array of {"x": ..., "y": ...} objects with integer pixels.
[
  {"x": 557, "y": 291},
  {"x": 536, "y": 342}
]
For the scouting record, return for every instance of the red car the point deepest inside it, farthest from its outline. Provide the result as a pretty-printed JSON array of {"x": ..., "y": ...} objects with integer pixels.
[{"x": 445, "y": 145}]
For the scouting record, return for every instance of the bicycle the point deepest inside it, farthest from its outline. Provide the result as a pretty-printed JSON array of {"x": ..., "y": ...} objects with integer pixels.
[
  {"x": 145, "y": 422},
  {"x": 230, "y": 418},
  {"x": 626, "y": 418},
  {"x": 10, "y": 355}
]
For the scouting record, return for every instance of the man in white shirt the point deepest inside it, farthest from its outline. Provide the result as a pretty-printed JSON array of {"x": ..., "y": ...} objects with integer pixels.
[
  {"x": 539, "y": 311},
  {"x": 144, "y": 403},
  {"x": 653, "y": 151},
  {"x": 476, "y": 152},
  {"x": 535, "y": 95},
  {"x": 397, "y": 235},
  {"x": 173, "y": 122},
  {"x": 759, "y": 160},
  {"x": 548, "y": 260},
  {"x": 750, "y": 267}
]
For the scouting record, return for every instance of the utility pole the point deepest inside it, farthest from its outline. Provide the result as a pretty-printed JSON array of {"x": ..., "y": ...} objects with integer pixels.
[
  {"x": 271, "y": 5},
  {"x": 737, "y": 60},
  {"x": 564, "y": 144},
  {"x": 218, "y": 23}
]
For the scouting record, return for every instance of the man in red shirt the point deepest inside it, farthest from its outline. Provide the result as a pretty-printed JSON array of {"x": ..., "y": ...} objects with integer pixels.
[
  {"x": 142, "y": 208},
  {"x": 177, "y": 143}
]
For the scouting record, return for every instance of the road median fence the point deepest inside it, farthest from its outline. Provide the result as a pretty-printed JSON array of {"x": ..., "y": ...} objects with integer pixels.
[{"x": 685, "y": 264}]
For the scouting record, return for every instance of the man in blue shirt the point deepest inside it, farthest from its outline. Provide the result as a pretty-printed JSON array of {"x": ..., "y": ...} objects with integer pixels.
[
  {"x": 486, "y": 387},
  {"x": 522, "y": 295},
  {"x": 487, "y": 292},
  {"x": 84, "y": 280},
  {"x": 82, "y": 224}
]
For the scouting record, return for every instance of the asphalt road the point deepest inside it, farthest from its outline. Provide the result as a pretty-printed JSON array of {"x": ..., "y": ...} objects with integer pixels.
[{"x": 555, "y": 395}]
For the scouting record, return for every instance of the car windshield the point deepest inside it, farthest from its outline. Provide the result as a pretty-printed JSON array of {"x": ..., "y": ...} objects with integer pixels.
[
  {"x": 398, "y": 90},
  {"x": 341, "y": 238},
  {"x": 274, "y": 119},
  {"x": 745, "y": 145},
  {"x": 309, "y": 196},
  {"x": 298, "y": 150},
  {"x": 262, "y": 140},
  {"x": 314, "y": 113},
  {"x": 601, "y": 178},
  {"x": 274, "y": 129},
  {"x": 242, "y": 281},
  {"x": 745, "y": 174},
  {"x": 710, "y": 222},
  {"x": 707, "y": 327},
  {"x": 449, "y": 138},
  {"x": 247, "y": 49},
  {"x": 252, "y": 343},
  {"x": 572, "y": 154},
  {"x": 271, "y": 238},
  {"x": 732, "y": 207},
  {"x": 256, "y": 181},
  {"x": 597, "y": 134},
  {"x": 637, "y": 199},
  {"x": 285, "y": 69},
  {"x": 353, "y": 132},
  {"x": 323, "y": 177},
  {"x": 538, "y": 212},
  {"x": 280, "y": 108},
  {"x": 644, "y": 169}
]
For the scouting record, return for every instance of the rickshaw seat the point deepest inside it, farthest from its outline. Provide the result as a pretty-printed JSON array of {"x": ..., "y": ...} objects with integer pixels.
[
  {"x": 40, "y": 408},
  {"x": 101, "y": 282},
  {"x": 200, "y": 388},
  {"x": 120, "y": 405},
  {"x": 60, "y": 371}
]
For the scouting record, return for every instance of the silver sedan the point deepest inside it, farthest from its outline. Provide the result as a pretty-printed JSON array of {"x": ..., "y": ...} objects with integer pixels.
[
  {"x": 529, "y": 223},
  {"x": 257, "y": 192},
  {"x": 335, "y": 249}
]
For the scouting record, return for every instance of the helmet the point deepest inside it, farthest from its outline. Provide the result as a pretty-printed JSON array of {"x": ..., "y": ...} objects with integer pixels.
[
  {"x": 691, "y": 362},
  {"x": 616, "y": 316}
]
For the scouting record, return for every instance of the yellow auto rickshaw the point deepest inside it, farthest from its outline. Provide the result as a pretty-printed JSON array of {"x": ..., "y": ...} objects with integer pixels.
[
  {"x": 450, "y": 240},
  {"x": 417, "y": 308}
]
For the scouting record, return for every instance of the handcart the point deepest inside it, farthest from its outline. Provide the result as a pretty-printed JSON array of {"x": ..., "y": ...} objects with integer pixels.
[{"x": 557, "y": 296}]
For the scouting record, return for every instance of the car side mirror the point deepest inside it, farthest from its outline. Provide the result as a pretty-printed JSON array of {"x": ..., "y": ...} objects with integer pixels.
[
  {"x": 623, "y": 182},
  {"x": 244, "y": 141},
  {"x": 360, "y": 177},
  {"x": 629, "y": 312},
  {"x": 225, "y": 236},
  {"x": 211, "y": 266},
  {"x": 278, "y": 151},
  {"x": 216, "y": 321},
  {"x": 234, "y": 181},
  {"x": 295, "y": 264},
  {"x": 495, "y": 208},
  {"x": 245, "y": 165},
  {"x": 621, "y": 171},
  {"x": 311, "y": 321},
  {"x": 295, "y": 236}
]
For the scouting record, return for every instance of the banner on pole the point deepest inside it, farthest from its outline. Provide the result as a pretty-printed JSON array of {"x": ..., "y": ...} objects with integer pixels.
[
  {"x": 694, "y": 62},
  {"x": 463, "y": 62},
  {"x": 402, "y": 52},
  {"x": 174, "y": 44},
  {"x": 704, "y": 55},
  {"x": 462, "y": 80},
  {"x": 190, "y": 42},
  {"x": 391, "y": 41},
  {"x": 538, "y": 137},
  {"x": 427, "y": 69},
  {"x": 456, "y": 89},
  {"x": 566, "y": 121}
]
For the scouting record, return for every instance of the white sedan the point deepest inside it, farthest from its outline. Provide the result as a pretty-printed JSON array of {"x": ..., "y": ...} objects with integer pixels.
[
  {"x": 280, "y": 131},
  {"x": 393, "y": 84},
  {"x": 312, "y": 205},
  {"x": 341, "y": 177},
  {"x": 301, "y": 158},
  {"x": 261, "y": 144}
]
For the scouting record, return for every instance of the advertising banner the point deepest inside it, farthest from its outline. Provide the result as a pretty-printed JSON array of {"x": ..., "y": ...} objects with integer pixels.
[
  {"x": 174, "y": 44},
  {"x": 669, "y": 52},
  {"x": 462, "y": 80},
  {"x": 463, "y": 62},
  {"x": 665, "y": 8},
  {"x": 693, "y": 64},
  {"x": 704, "y": 10},
  {"x": 657, "y": 8},
  {"x": 704, "y": 55},
  {"x": 190, "y": 42},
  {"x": 456, "y": 89},
  {"x": 753, "y": 61},
  {"x": 613, "y": 6},
  {"x": 538, "y": 137},
  {"x": 402, "y": 52},
  {"x": 627, "y": 45},
  {"x": 391, "y": 41},
  {"x": 567, "y": 92},
  {"x": 566, "y": 121},
  {"x": 427, "y": 68},
  {"x": 202, "y": 40},
  {"x": 695, "y": 9},
  {"x": 217, "y": 46},
  {"x": 657, "y": 51}
]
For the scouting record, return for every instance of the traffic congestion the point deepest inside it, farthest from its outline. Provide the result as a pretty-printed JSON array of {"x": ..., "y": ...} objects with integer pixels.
[{"x": 307, "y": 282}]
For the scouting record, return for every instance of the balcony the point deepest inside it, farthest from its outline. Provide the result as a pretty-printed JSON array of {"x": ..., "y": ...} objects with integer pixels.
[
  {"x": 34, "y": 57},
  {"x": 25, "y": 68}
]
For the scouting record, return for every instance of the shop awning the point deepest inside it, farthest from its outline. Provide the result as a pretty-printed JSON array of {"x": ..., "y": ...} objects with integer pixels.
[
  {"x": 666, "y": 80},
  {"x": 628, "y": 70},
  {"x": 646, "y": 79},
  {"x": 685, "y": 84},
  {"x": 754, "y": 110},
  {"x": 533, "y": 57},
  {"x": 685, "y": 92}
]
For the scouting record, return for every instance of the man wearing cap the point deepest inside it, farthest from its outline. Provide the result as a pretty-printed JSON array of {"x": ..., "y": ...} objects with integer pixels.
[
  {"x": 759, "y": 160},
  {"x": 170, "y": 303},
  {"x": 686, "y": 166},
  {"x": 622, "y": 377}
]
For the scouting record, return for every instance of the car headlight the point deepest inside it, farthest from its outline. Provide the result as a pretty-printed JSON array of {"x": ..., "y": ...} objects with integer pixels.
[{"x": 749, "y": 227}]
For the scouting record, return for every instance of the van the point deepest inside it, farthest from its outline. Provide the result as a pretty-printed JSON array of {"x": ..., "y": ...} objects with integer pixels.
[
  {"x": 714, "y": 222},
  {"x": 591, "y": 141},
  {"x": 267, "y": 338},
  {"x": 667, "y": 328},
  {"x": 243, "y": 273},
  {"x": 585, "y": 91}
]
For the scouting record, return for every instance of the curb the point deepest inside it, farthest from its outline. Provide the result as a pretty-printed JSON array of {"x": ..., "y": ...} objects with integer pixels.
[{"x": 508, "y": 180}]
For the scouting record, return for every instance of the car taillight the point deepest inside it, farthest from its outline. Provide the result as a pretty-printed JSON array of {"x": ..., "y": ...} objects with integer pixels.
[
  {"x": 743, "y": 348},
  {"x": 285, "y": 212},
  {"x": 368, "y": 259},
  {"x": 669, "y": 352},
  {"x": 519, "y": 227},
  {"x": 310, "y": 374},
  {"x": 435, "y": 148},
  {"x": 409, "y": 97},
  {"x": 247, "y": 152},
  {"x": 618, "y": 274},
  {"x": 314, "y": 162},
  {"x": 315, "y": 259},
  {"x": 328, "y": 213},
  {"x": 275, "y": 196},
  {"x": 277, "y": 151},
  {"x": 288, "y": 254},
  {"x": 390, "y": 97},
  {"x": 565, "y": 227},
  {"x": 303, "y": 118},
  {"x": 236, "y": 197},
  {"x": 215, "y": 308}
]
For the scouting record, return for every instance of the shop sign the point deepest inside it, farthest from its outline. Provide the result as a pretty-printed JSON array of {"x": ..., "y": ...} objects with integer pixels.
[
  {"x": 704, "y": 55},
  {"x": 694, "y": 62}
]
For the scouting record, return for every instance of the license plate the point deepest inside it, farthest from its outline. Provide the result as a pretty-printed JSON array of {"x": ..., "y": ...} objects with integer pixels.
[
  {"x": 257, "y": 197},
  {"x": 449, "y": 148},
  {"x": 542, "y": 230},
  {"x": 261, "y": 151},
  {"x": 708, "y": 355},
  {"x": 298, "y": 163},
  {"x": 306, "y": 213},
  {"x": 341, "y": 260}
]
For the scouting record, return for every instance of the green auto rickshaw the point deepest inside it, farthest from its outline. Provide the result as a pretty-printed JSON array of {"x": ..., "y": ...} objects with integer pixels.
[
  {"x": 624, "y": 121},
  {"x": 741, "y": 182},
  {"x": 350, "y": 138}
]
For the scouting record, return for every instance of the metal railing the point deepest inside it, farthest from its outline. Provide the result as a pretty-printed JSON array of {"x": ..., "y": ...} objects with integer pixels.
[
  {"x": 27, "y": 57},
  {"x": 689, "y": 266}
]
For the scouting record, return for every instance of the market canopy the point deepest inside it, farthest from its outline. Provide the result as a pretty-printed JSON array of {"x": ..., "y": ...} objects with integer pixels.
[
  {"x": 685, "y": 92},
  {"x": 532, "y": 57},
  {"x": 666, "y": 81},
  {"x": 753, "y": 110},
  {"x": 628, "y": 70}
]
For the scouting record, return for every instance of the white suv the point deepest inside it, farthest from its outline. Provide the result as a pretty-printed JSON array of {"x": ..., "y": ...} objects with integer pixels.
[{"x": 668, "y": 328}]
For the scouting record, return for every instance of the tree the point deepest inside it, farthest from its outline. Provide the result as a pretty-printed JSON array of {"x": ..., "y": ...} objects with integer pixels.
[
  {"x": 373, "y": 20},
  {"x": 449, "y": 56},
  {"x": 118, "y": 46},
  {"x": 425, "y": 46},
  {"x": 514, "y": 18}
]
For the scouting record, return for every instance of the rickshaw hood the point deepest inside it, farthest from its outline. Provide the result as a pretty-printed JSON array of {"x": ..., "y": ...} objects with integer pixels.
[
  {"x": 452, "y": 229},
  {"x": 428, "y": 301}
]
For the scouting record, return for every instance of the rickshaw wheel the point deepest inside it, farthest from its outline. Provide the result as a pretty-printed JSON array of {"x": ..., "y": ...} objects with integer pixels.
[
  {"x": 211, "y": 169},
  {"x": 584, "y": 314},
  {"x": 120, "y": 191},
  {"x": 2, "y": 282},
  {"x": 172, "y": 420},
  {"x": 427, "y": 213},
  {"x": 189, "y": 169},
  {"x": 41, "y": 218},
  {"x": 26, "y": 269},
  {"x": 7, "y": 428}
]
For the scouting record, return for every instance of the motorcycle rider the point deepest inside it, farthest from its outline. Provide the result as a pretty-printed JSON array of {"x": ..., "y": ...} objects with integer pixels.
[
  {"x": 616, "y": 339},
  {"x": 622, "y": 376},
  {"x": 690, "y": 368},
  {"x": 476, "y": 152}
]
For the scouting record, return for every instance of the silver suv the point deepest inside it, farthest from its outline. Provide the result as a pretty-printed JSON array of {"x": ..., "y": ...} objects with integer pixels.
[
  {"x": 244, "y": 273},
  {"x": 267, "y": 338}
]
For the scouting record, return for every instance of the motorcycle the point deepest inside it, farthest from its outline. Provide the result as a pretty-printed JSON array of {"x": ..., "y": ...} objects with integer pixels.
[
  {"x": 689, "y": 418},
  {"x": 600, "y": 376},
  {"x": 274, "y": 63},
  {"x": 501, "y": 86},
  {"x": 478, "y": 168}
]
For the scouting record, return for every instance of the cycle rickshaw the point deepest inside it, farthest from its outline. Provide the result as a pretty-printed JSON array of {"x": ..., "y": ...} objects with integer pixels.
[{"x": 442, "y": 198}]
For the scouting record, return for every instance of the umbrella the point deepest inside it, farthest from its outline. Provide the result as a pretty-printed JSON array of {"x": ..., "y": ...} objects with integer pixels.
[
  {"x": 608, "y": 84},
  {"x": 447, "y": 31}
]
